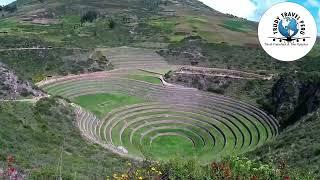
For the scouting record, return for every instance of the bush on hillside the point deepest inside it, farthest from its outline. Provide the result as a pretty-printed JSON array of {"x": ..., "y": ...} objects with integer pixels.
[
  {"x": 89, "y": 16},
  {"x": 230, "y": 168},
  {"x": 111, "y": 24}
]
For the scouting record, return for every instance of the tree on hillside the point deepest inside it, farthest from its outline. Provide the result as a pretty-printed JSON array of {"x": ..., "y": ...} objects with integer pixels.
[
  {"x": 112, "y": 24},
  {"x": 89, "y": 16}
]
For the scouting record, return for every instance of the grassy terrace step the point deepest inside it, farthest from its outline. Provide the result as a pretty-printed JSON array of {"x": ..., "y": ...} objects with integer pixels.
[
  {"x": 150, "y": 120},
  {"x": 216, "y": 144},
  {"x": 178, "y": 115},
  {"x": 167, "y": 110},
  {"x": 117, "y": 130},
  {"x": 154, "y": 119},
  {"x": 125, "y": 57},
  {"x": 133, "y": 86},
  {"x": 114, "y": 86},
  {"x": 101, "y": 104},
  {"x": 184, "y": 108}
]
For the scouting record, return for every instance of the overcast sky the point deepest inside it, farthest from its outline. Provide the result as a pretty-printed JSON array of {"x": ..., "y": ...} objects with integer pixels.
[
  {"x": 253, "y": 9},
  {"x": 5, "y": 2}
]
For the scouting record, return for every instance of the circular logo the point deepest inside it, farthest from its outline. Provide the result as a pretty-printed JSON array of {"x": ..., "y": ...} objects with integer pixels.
[{"x": 287, "y": 31}]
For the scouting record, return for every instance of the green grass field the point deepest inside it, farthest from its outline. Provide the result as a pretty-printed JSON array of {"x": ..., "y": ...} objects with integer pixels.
[
  {"x": 176, "y": 145},
  {"x": 236, "y": 25},
  {"x": 101, "y": 104},
  {"x": 150, "y": 79}
]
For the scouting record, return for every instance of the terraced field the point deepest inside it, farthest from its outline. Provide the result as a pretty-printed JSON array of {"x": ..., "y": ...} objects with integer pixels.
[
  {"x": 138, "y": 118},
  {"x": 134, "y": 58}
]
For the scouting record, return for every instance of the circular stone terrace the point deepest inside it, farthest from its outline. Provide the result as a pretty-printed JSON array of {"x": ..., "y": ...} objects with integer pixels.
[{"x": 131, "y": 113}]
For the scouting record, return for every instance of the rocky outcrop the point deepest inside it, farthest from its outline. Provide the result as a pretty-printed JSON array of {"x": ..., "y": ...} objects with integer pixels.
[
  {"x": 210, "y": 79},
  {"x": 292, "y": 97},
  {"x": 203, "y": 82},
  {"x": 11, "y": 87}
]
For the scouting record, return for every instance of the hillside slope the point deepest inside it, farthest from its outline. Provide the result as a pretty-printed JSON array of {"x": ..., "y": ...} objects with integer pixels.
[
  {"x": 138, "y": 21},
  {"x": 298, "y": 145},
  {"x": 38, "y": 135}
]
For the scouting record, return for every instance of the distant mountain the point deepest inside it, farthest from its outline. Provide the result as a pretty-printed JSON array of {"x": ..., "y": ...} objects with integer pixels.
[{"x": 176, "y": 19}]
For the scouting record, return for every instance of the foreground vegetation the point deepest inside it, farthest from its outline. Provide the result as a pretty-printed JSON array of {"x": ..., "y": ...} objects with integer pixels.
[
  {"x": 231, "y": 168},
  {"x": 299, "y": 145},
  {"x": 44, "y": 138}
]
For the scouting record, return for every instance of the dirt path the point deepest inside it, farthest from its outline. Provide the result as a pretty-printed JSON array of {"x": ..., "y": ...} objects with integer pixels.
[
  {"x": 236, "y": 74},
  {"x": 164, "y": 82},
  {"x": 38, "y": 48},
  {"x": 33, "y": 100}
]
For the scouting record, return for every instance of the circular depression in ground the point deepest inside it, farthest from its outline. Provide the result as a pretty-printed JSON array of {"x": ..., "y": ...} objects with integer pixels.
[{"x": 139, "y": 118}]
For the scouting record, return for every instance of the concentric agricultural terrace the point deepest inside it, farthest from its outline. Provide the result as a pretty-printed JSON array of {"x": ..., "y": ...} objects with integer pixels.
[{"x": 131, "y": 113}]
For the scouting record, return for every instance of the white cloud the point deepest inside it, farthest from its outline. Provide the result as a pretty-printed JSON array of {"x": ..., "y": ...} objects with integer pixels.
[{"x": 240, "y": 8}]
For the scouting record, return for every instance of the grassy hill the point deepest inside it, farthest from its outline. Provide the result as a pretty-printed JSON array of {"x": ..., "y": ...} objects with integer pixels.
[
  {"x": 36, "y": 134},
  {"x": 136, "y": 21},
  {"x": 298, "y": 145}
]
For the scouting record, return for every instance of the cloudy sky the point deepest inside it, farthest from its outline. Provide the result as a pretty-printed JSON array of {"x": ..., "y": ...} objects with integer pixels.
[
  {"x": 5, "y": 2},
  {"x": 253, "y": 9}
]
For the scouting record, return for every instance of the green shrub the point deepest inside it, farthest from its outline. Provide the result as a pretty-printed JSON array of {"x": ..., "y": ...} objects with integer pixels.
[
  {"x": 229, "y": 168},
  {"x": 89, "y": 16}
]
